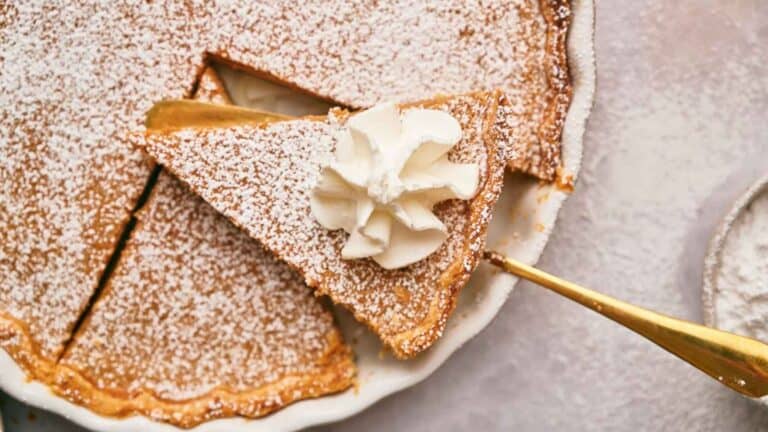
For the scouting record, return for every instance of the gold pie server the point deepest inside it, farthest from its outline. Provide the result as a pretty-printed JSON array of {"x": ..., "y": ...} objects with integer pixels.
[{"x": 738, "y": 362}]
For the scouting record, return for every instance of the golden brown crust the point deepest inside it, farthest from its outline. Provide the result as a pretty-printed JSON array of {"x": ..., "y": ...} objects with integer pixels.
[
  {"x": 543, "y": 158},
  {"x": 337, "y": 375},
  {"x": 15, "y": 339}
]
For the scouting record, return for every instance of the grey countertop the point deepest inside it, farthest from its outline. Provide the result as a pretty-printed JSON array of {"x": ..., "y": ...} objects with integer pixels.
[{"x": 679, "y": 129}]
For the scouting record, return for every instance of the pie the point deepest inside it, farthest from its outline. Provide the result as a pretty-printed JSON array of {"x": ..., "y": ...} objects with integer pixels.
[{"x": 77, "y": 78}]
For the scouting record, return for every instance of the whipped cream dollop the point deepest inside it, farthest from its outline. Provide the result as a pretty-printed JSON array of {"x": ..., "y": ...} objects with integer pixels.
[{"x": 389, "y": 172}]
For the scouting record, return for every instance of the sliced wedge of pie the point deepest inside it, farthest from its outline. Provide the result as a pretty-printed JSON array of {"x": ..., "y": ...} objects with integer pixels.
[
  {"x": 261, "y": 176},
  {"x": 198, "y": 321}
]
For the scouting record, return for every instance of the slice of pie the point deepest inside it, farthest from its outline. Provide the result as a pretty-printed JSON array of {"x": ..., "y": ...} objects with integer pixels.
[
  {"x": 260, "y": 176},
  {"x": 198, "y": 321}
]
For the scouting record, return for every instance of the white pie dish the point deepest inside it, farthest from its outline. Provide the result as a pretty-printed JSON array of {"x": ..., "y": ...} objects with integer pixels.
[{"x": 522, "y": 225}]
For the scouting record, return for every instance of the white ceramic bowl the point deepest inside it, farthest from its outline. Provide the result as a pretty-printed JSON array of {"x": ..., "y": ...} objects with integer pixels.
[
  {"x": 713, "y": 265},
  {"x": 522, "y": 224},
  {"x": 712, "y": 261}
]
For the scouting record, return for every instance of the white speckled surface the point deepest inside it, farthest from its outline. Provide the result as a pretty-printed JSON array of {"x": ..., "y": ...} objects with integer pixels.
[{"x": 678, "y": 131}]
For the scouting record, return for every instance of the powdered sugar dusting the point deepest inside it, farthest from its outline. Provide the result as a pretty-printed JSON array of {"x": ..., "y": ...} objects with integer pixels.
[
  {"x": 76, "y": 76},
  {"x": 261, "y": 178}
]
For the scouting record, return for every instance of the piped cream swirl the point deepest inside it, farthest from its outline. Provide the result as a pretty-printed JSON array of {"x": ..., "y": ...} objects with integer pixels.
[{"x": 389, "y": 172}]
